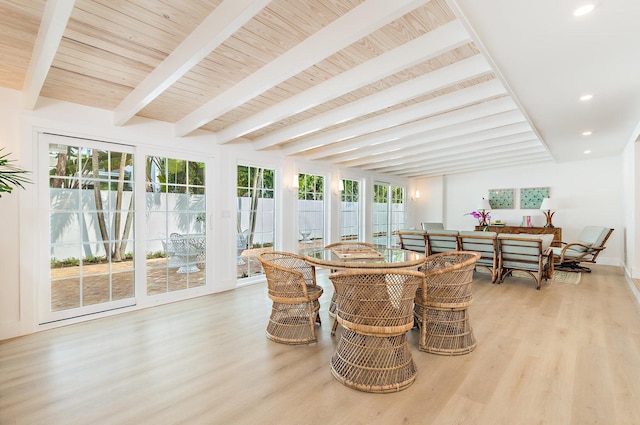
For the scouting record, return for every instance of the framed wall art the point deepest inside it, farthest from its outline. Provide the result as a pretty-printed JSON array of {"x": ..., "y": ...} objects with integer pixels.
[
  {"x": 531, "y": 197},
  {"x": 501, "y": 199}
]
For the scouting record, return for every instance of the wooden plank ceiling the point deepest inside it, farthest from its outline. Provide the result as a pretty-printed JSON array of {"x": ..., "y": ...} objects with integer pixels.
[{"x": 395, "y": 87}]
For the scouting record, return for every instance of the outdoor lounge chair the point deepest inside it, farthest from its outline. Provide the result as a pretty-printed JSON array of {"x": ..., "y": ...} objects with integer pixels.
[{"x": 585, "y": 250}]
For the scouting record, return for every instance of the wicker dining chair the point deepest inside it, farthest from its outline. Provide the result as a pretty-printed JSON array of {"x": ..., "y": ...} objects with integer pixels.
[
  {"x": 375, "y": 308},
  {"x": 441, "y": 304},
  {"x": 292, "y": 287},
  {"x": 332, "y": 304}
]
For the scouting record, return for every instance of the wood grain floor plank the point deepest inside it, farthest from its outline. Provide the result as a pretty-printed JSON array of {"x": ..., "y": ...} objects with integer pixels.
[{"x": 567, "y": 354}]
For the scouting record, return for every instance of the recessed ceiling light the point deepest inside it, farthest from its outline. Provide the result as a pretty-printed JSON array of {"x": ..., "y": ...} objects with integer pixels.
[
  {"x": 583, "y": 10},
  {"x": 586, "y": 97},
  {"x": 586, "y": 133},
  {"x": 587, "y": 152}
]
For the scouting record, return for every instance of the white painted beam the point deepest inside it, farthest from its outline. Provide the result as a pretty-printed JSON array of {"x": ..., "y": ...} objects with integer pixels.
[
  {"x": 54, "y": 21},
  {"x": 464, "y": 127},
  {"x": 225, "y": 20},
  {"x": 509, "y": 161},
  {"x": 485, "y": 150},
  {"x": 347, "y": 29},
  {"x": 519, "y": 131},
  {"x": 436, "y": 105},
  {"x": 433, "y": 81},
  {"x": 449, "y": 147},
  {"x": 346, "y": 149},
  {"x": 480, "y": 158},
  {"x": 430, "y": 45}
]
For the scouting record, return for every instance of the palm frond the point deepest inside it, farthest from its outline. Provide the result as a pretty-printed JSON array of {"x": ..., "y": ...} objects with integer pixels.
[{"x": 10, "y": 175}]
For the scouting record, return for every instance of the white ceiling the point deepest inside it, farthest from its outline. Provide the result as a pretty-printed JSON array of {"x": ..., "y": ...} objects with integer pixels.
[
  {"x": 550, "y": 58},
  {"x": 413, "y": 88}
]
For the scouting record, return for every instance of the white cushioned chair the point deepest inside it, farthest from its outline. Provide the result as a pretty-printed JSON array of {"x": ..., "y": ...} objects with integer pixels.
[
  {"x": 525, "y": 252},
  {"x": 432, "y": 226},
  {"x": 485, "y": 244},
  {"x": 585, "y": 250},
  {"x": 441, "y": 240},
  {"x": 413, "y": 240}
]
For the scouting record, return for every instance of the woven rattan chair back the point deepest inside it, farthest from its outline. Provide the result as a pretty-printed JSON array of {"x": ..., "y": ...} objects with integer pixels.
[
  {"x": 295, "y": 308},
  {"x": 376, "y": 302},
  {"x": 375, "y": 309},
  {"x": 291, "y": 261},
  {"x": 332, "y": 304},
  {"x": 441, "y": 304},
  {"x": 448, "y": 278}
]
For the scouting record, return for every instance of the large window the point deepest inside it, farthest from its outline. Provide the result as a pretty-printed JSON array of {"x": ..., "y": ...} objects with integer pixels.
[
  {"x": 256, "y": 217},
  {"x": 310, "y": 211},
  {"x": 388, "y": 213},
  {"x": 350, "y": 211},
  {"x": 175, "y": 224},
  {"x": 91, "y": 228}
]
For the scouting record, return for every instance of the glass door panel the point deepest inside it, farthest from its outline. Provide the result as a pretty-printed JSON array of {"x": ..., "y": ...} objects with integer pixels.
[
  {"x": 175, "y": 205},
  {"x": 388, "y": 214},
  {"x": 256, "y": 217},
  {"x": 310, "y": 211},
  {"x": 91, "y": 227},
  {"x": 350, "y": 211}
]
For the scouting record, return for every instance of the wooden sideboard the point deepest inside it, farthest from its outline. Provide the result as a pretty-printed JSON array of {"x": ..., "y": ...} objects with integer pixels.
[{"x": 556, "y": 231}]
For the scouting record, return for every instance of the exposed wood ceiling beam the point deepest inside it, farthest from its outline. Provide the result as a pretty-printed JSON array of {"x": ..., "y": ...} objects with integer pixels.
[
  {"x": 345, "y": 151},
  {"x": 444, "y": 77},
  {"x": 225, "y": 19},
  {"x": 347, "y": 29},
  {"x": 54, "y": 21},
  {"x": 498, "y": 164},
  {"x": 463, "y": 166},
  {"x": 513, "y": 133},
  {"x": 430, "y": 45},
  {"x": 422, "y": 139},
  {"x": 431, "y": 107},
  {"x": 441, "y": 148},
  {"x": 484, "y": 150}
]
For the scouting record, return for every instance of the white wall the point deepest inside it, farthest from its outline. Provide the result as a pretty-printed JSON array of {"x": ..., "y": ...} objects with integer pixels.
[
  {"x": 588, "y": 193},
  {"x": 10, "y": 214},
  {"x": 628, "y": 210},
  {"x": 430, "y": 206}
]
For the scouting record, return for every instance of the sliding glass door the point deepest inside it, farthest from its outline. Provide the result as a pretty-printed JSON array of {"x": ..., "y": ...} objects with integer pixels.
[
  {"x": 311, "y": 211},
  {"x": 91, "y": 227},
  {"x": 117, "y": 233},
  {"x": 389, "y": 214},
  {"x": 256, "y": 217},
  {"x": 175, "y": 204}
]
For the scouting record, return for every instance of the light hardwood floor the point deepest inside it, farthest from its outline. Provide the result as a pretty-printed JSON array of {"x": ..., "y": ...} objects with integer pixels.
[{"x": 567, "y": 354}]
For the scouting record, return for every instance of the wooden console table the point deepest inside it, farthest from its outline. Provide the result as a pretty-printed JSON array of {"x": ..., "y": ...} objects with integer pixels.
[{"x": 556, "y": 231}]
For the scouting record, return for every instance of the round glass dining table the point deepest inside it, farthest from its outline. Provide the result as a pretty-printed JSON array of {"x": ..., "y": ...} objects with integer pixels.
[{"x": 339, "y": 258}]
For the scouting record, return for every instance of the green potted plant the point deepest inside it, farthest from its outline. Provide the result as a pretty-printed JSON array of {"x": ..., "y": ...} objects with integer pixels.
[{"x": 10, "y": 175}]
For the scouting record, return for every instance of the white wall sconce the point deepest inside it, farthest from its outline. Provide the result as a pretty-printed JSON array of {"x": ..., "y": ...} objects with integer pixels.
[
  {"x": 295, "y": 182},
  {"x": 339, "y": 188},
  {"x": 417, "y": 195}
]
